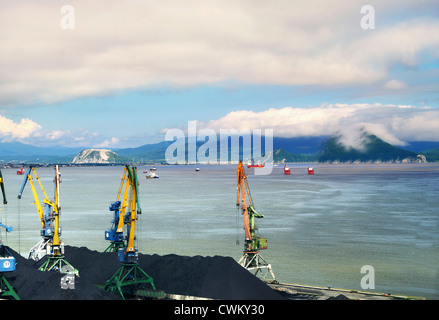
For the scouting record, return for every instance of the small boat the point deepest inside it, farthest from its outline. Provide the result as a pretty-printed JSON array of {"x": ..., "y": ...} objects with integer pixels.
[
  {"x": 21, "y": 171},
  {"x": 287, "y": 170},
  {"x": 252, "y": 165},
  {"x": 197, "y": 169},
  {"x": 152, "y": 175},
  {"x": 310, "y": 171}
]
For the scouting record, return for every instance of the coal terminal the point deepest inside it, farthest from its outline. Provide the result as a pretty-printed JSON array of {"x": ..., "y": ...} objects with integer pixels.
[{"x": 200, "y": 277}]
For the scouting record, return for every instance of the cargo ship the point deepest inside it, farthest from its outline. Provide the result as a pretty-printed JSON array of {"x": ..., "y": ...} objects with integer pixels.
[{"x": 252, "y": 165}]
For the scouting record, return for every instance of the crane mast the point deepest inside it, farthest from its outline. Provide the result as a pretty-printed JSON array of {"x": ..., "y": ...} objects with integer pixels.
[{"x": 251, "y": 258}]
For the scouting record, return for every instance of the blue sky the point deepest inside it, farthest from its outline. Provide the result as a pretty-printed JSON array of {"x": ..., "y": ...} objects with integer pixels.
[{"x": 125, "y": 72}]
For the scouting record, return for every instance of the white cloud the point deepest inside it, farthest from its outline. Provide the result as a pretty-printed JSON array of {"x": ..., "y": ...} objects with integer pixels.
[
  {"x": 21, "y": 130},
  {"x": 395, "y": 124},
  {"x": 108, "y": 143},
  {"x": 395, "y": 85},
  {"x": 118, "y": 45},
  {"x": 29, "y": 132}
]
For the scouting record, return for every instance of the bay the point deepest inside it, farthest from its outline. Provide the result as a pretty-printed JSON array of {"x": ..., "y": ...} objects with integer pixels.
[{"x": 321, "y": 228}]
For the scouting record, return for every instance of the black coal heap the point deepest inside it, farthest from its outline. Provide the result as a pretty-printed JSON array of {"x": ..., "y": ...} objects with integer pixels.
[{"x": 214, "y": 277}]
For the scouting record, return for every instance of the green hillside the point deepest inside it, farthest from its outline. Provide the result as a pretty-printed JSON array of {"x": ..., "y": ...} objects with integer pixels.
[
  {"x": 374, "y": 149},
  {"x": 432, "y": 155},
  {"x": 283, "y": 155}
]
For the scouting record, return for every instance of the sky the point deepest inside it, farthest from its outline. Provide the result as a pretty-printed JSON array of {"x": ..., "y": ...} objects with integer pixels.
[{"x": 114, "y": 74}]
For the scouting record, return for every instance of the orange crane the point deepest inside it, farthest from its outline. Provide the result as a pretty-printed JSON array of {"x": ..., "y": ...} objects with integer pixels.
[{"x": 251, "y": 259}]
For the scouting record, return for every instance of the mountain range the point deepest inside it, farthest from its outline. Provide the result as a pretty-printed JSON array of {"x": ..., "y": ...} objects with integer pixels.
[{"x": 298, "y": 149}]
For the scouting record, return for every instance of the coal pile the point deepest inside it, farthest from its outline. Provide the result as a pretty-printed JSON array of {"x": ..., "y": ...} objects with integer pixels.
[{"x": 214, "y": 277}]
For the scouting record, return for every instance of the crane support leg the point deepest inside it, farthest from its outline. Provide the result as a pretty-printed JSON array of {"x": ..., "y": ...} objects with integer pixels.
[
  {"x": 59, "y": 264},
  {"x": 254, "y": 261},
  {"x": 6, "y": 290},
  {"x": 130, "y": 280},
  {"x": 114, "y": 246}
]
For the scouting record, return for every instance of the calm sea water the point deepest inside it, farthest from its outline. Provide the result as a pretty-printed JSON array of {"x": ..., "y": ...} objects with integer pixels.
[{"x": 321, "y": 229}]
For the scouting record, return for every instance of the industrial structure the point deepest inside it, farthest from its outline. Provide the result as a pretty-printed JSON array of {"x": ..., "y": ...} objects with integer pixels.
[
  {"x": 7, "y": 261},
  {"x": 50, "y": 243},
  {"x": 115, "y": 233},
  {"x": 130, "y": 280},
  {"x": 251, "y": 259}
]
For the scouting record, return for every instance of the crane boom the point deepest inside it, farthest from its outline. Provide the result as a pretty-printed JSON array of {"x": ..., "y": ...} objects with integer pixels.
[
  {"x": 56, "y": 212},
  {"x": 252, "y": 242},
  {"x": 126, "y": 210},
  {"x": 3, "y": 188},
  {"x": 115, "y": 233},
  {"x": 134, "y": 209},
  {"x": 43, "y": 214}
]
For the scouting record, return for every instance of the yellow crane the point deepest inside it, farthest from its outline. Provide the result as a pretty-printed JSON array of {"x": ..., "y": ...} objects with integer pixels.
[
  {"x": 130, "y": 279},
  {"x": 50, "y": 243}
]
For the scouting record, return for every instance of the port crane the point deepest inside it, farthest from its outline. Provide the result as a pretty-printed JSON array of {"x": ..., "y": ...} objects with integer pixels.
[
  {"x": 130, "y": 279},
  {"x": 115, "y": 233},
  {"x": 7, "y": 261},
  {"x": 251, "y": 258},
  {"x": 50, "y": 243}
]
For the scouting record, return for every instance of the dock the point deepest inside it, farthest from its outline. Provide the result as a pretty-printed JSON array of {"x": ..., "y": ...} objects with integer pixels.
[{"x": 307, "y": 292}]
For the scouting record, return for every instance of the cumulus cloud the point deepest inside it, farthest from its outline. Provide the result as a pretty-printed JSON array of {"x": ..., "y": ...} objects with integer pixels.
[
  {"x": 29, "y": 132},
  {"x": 120, "y": 45},
  {"x": 21, "y": 130},
  {"x": 395, "y": 124},
  {"x": 108, "y": 143}
]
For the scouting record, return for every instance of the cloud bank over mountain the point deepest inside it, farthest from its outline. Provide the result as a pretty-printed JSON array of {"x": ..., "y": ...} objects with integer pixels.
[{"x": 395, "y": 124}]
